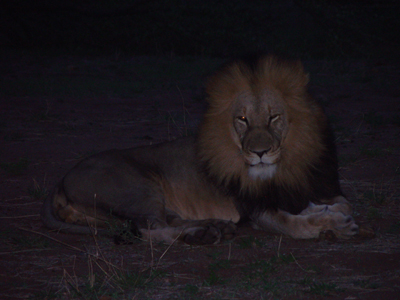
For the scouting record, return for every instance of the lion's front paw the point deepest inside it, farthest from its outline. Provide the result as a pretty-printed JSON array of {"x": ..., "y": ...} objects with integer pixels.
[{"x": 344, "y": 226}]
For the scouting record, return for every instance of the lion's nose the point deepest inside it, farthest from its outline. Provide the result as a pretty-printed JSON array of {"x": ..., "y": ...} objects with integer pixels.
[{"x": 260, "y": 153}]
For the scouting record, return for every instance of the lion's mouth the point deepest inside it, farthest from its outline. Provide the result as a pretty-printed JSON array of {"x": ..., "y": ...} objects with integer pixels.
[
  {"x": 262, "y": 170},
  {"x": 261, "y": 165},
  {"x": 263, "y": 162}
]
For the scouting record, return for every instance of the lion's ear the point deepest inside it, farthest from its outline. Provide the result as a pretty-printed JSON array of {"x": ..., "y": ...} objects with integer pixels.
[
  {"x": 300, "y": 82},
  {"x": 222, "y": 87},
  {"x": 299, "y": 78},
  {"x": 285, "y": 75}
]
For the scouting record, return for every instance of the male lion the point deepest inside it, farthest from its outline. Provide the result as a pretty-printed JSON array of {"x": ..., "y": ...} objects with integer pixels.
[{"x": 264, "y": 153}]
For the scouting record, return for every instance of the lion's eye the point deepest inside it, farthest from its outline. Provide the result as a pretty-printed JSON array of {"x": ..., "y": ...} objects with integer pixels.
[{"x": 242, "y": 119}]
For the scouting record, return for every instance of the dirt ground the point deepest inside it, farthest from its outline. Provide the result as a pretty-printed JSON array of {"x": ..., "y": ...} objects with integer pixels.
[{"x": 42, "y": 136}]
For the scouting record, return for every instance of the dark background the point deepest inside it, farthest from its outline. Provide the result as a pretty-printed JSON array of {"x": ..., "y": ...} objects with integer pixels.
[{"x": 304, "y": 29}]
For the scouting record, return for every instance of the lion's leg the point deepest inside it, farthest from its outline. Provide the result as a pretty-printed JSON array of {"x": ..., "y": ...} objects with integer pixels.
[
  {"x": 169, "y": 227},
  {"x": 207, "y": 232},
  {"x": 153, "y": 220},
  {"x": 311, "y": 221},
  {"x": 192, "y": 232},
  {"x": 339, "y": 203},
  {"x": 336, "y": 204}
]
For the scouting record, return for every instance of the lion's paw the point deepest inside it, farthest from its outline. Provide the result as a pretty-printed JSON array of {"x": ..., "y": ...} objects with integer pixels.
[
  {"x": 344, "y": 226},
  {"x": 332, "y": 218}
]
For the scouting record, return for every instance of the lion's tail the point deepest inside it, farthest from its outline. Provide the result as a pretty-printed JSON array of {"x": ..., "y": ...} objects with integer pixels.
[{"x": 55, "y": 200}]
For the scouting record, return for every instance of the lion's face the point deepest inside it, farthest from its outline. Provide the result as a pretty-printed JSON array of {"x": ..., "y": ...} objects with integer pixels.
[{"x": 259, "y": 126}]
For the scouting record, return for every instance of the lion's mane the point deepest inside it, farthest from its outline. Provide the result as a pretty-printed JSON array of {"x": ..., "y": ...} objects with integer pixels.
[{"x": 307, "y": 170}]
